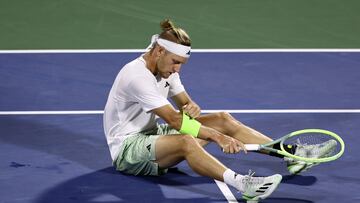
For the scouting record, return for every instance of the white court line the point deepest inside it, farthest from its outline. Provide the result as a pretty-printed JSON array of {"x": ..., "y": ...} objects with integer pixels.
[
  {"x": 249, "y": 111},
  {"x": 49, "y": 51},
  {"x": 284, "y": 111},
  {"x": 226, "y": 192},
  {"x": 51, "y": 112}
]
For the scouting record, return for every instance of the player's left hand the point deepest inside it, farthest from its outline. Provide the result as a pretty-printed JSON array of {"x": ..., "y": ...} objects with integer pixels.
[{"x": 192, "y": 109}]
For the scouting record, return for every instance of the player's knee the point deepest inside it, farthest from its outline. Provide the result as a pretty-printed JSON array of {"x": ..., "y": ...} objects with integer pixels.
[
  {"x": 226, "y": 117},
  {"x": 188, "y": 143}
]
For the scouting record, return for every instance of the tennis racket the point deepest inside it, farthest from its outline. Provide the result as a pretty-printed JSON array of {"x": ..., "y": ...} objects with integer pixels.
[{"x": 312, "y": 145}]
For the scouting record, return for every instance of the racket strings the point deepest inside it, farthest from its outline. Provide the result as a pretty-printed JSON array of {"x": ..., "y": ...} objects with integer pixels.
[{"x": 313, "y": 145}]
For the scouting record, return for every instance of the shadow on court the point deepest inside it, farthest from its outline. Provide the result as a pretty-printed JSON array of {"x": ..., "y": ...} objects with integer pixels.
[
  {"x": 75, "y": 138},
  {"x": 299, "y": 180},
  {"x": 283, "y": 200},
  {"x": 75, "y": 141},
  {"x": 86, "y": 146},
  {"x": 108, "y": 185}
]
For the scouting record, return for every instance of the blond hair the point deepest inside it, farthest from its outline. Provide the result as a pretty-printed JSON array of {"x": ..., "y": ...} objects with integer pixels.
[{"x": 172, "y": 33}]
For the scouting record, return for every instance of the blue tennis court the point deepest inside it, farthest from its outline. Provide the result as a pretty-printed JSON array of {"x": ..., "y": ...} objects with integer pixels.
[{"x": 53, "y": 149}]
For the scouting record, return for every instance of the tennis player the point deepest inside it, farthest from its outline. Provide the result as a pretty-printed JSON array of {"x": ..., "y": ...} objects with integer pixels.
[{"x": 139, "y": 145}]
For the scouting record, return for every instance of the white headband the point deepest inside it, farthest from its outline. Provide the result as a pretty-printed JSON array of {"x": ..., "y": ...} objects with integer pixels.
[{"x": 172, "y": 47}]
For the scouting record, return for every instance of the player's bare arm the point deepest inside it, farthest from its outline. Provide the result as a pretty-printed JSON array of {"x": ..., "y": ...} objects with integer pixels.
[{"x": 174, "y": 119}]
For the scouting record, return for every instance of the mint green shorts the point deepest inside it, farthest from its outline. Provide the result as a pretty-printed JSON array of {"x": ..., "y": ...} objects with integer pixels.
[{"x": 137, "y": 153}]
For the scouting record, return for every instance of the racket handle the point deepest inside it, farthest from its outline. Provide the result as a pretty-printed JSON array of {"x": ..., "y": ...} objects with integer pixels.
[{"x": 252, "y": 147}]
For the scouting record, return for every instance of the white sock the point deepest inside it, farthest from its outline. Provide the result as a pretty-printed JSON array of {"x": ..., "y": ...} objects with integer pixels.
[{"x": 233, "y": 179}]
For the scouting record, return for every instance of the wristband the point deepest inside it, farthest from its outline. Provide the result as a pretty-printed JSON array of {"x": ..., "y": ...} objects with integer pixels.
[{"x": 189, "y": 126}]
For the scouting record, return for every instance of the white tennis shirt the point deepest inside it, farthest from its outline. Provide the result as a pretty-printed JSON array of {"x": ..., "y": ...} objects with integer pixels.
[{"x": 135, "y": 92}]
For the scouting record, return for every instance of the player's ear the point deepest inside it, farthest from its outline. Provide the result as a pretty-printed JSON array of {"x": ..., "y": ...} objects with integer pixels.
[{"x": 161, "y": 51}]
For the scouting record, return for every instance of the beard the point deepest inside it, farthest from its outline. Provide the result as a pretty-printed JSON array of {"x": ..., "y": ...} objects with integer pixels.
[{"x": 163, "y": 74}]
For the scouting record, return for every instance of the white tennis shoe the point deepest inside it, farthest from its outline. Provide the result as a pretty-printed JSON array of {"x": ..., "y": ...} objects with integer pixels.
[{"x": 257, "y": 188}]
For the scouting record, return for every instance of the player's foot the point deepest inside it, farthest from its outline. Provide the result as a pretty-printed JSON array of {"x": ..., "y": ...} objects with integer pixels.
[
  {"x": 322, "y": 150},
  {"x": 257, "y": 188}
]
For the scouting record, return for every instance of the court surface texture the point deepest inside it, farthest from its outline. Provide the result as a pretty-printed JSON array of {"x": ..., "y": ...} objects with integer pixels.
[{"x": 53, "y": 149}]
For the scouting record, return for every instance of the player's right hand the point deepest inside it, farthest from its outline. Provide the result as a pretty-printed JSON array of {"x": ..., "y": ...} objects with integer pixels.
[{"x": 230, "y": 145}]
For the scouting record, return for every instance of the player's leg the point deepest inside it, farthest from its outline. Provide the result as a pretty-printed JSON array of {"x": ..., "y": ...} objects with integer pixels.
[
  {"x": 147, "y": 154},
  {"x": 227, "y": 124},
  {"x": 172, "y": 149}
]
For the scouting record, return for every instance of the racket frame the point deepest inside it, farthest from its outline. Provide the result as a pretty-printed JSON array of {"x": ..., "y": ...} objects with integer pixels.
[{"x": 268, "y": 146}]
